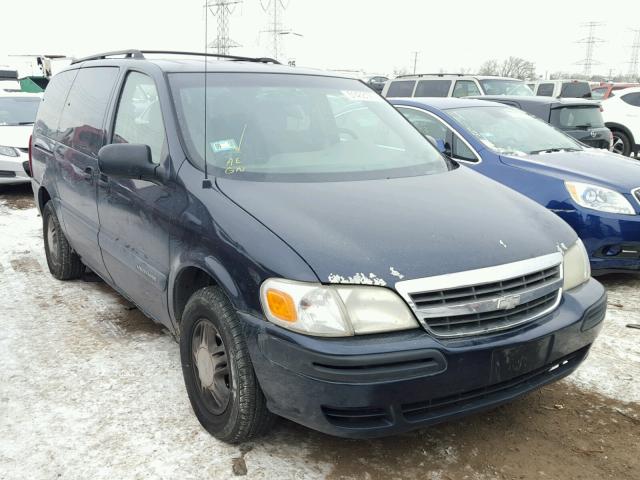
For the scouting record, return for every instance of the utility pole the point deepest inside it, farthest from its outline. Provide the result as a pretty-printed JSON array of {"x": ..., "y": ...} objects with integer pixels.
[
  {"x": 415, "y": 61},
  {"x": 635, "y": 54},
  {"x": 222, "y": 9},
  {"x": 590, "y": 40},
  {"x": 275, "y": 28}
]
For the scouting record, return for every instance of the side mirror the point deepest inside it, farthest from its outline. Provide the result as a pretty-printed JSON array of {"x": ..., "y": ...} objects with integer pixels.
[
  {"x": 127, "y": 160},
  {"x": 443, "y": 147}
]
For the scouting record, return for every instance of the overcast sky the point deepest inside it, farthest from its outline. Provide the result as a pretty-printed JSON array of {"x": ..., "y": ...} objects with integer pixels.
[{"x": 373, "y": 36}]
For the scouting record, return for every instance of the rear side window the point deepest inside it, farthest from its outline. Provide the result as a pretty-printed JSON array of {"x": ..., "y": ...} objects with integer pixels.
[
  {"x": 433, "y": 88},
  {"x": 598, "y": 93},
  {"x": 632, "y": 99},
  {"x": 576, "y": 90},
  {"x": 577, "y": 117},
  {"x": 82, "y": 123},
  {"x": 545, "y": 90},
  {"x": 465, "y": 88},
  {"x": 402, "y": 88},
  {"x": 52, "y": 104}
]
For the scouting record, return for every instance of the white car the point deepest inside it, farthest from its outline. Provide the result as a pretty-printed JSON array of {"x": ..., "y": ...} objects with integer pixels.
[
  {"x": 453, "y": 85},
  {"x": 17, "y": 114},
  {"x": 621, "y": 113},
  {"x": 567, "y": 88}
]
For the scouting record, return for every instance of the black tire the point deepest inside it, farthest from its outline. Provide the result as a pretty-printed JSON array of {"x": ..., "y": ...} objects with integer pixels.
[
  {"x": 63, "y": 262},
  {"x": 245, "y": 414},
  {"x": 621, "y": 143}
]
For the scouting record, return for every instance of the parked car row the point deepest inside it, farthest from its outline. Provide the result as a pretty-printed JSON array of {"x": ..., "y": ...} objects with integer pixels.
[{"x": 318, "y": 256}]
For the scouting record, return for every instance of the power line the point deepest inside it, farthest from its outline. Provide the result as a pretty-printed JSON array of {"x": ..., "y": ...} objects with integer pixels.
[
  {"x": 634, "y": 63},
  {"x": 590, "y": 40},
  {"x": 222, "y": 10},
  {"x": 275, "y": 28}
]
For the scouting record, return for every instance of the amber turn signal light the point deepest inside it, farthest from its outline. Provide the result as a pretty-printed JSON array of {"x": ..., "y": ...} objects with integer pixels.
[{"x": 281, "y": 305}]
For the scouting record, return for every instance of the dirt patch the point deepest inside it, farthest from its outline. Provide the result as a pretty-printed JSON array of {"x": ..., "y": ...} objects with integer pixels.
[
  {"x": 126, "y": 321},
  {"x": 17, "y": 197},
  {"x": 559, "y": 432},
  {"x": 25, "y": 264}
]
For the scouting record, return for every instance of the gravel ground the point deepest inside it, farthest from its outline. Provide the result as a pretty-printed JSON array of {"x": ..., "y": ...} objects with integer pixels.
[{"x": 90, "y": 388}]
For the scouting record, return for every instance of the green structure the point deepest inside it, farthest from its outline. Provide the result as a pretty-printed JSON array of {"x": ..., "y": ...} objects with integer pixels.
[{"x": 33, "y": 84}]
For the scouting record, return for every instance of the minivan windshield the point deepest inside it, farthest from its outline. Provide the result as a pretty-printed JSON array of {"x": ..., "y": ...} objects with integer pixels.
[
  {"x": 18, "y": 110},
  {"x": 511, "y": 131},
  {"x": 496, "y": 86},
  {"x": 290, "y": 127}
]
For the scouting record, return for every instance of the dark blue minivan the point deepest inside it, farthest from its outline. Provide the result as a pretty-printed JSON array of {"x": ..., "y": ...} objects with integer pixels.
[{"x": 317, "y": 258}]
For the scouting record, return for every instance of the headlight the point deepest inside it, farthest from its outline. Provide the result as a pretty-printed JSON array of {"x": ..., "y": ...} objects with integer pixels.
[
  {"x": 8, "y": 151},
  {"x": 334, "y": 310},
  {"x": 599, "y": 198},
  {"x": 575, "y": 266}
]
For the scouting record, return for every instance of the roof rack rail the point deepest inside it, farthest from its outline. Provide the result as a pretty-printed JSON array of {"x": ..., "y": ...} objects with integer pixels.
[
  {"x": 139, "y": 55},
  {"x": 439, "y": 74}
]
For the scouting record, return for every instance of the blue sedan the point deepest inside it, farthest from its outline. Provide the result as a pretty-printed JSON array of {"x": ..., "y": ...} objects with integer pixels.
[{"x": 594, "y": 191}]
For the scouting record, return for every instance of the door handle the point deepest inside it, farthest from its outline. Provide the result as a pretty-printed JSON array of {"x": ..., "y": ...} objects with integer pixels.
[{"x": 88, "y": 174}]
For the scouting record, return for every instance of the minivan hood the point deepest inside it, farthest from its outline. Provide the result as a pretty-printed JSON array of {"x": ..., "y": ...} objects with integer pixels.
[
  {"x": 402, "y": 228},
  {"x": 15, "y": 135},
  {"x": 589, "y": 166}
]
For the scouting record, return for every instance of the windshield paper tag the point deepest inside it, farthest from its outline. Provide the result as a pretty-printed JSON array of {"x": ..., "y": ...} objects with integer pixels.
[{"x": 224, "y": 145}]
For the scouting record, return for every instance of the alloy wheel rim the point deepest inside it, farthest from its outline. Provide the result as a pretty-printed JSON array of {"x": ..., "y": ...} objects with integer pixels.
[
  {"x": 211, "y": 366},
  {"x": 618, "y": 145}
]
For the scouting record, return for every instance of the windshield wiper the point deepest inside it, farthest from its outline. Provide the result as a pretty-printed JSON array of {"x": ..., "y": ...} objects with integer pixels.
[{"x": 554, "y": 150}]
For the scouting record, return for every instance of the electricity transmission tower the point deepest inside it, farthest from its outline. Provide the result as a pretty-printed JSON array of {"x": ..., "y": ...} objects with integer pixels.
[
  {"x": 222, "y": 9},
  {"x": 275, "y": 28},
  {"x": 590, "y": 40},
  {"x": 635, "y": 54}
]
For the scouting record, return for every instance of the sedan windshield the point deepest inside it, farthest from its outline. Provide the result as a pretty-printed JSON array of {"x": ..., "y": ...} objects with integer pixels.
[
  {"x": 18, "y": 110},
  {"x": 284, "y": 127},
  {"x": 511, "y": 131},
  {"x": 505, "y": 87}
]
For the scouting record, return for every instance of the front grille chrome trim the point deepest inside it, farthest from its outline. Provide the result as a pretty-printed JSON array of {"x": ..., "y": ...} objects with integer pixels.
[{"x": 540, "y": 267}]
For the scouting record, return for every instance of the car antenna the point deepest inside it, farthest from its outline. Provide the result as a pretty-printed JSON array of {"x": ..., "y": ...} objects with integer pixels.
[{"x": 206, "y": 183}]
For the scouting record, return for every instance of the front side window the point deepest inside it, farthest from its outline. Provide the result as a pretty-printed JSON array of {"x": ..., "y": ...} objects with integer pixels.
[
  {"x": 18, "y": 110},
  {"x": 139, "y": 118},
  {"x": 545, "y": 90},
  {"x": 507, "y": 130},
  {"x": 433, "y": 88},
  {"x": 283, "y": 127},
  {"x": 435, "y": 130},
  {"x": 465, "y": 88},
  {"x": 498, "y": 86}
]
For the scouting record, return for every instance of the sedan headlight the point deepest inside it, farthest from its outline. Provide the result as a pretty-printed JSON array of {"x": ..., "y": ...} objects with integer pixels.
[
  {"x": 599, "y": 198},
  {"x": 334, "y": 310},
  {"x": 8, "y": 151},
  {"x": 575, "y": 266}
]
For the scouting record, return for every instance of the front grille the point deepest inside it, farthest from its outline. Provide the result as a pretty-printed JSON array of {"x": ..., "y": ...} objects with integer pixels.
[
  {"x": 495, "y": 320},
  {"x": 7, "y": 174},
  {"x": 482, "y": 301},
  {"x": 364, "y": 417}
]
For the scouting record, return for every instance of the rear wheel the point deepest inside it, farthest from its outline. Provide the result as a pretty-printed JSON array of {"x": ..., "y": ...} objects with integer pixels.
[
  {"x": 621, "y": 143},
  {"x": 218, "y": 373},
  {"x": 63, "y": 262}
]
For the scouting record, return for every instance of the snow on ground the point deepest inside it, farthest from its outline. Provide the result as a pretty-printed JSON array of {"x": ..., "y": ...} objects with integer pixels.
[{"x": 92, "y": 389}]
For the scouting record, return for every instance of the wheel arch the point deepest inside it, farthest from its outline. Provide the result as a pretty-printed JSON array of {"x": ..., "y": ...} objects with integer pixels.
[
  {"x": 43, "y": 197},
  {"x": 618, "y": 126}
]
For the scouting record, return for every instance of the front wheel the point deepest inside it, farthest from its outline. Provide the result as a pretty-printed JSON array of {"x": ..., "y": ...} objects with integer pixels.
[
  {"x": 63, "y": 262},
  {"x": 621, "y": 143},
  {"x": 218, "y": 372}
]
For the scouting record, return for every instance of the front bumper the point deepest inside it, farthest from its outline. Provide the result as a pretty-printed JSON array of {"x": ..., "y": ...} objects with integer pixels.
[
  {"x": 375, "y": 385},
  {"x": 612, "y": 241},
  {"x": 12, "y": 169}
]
